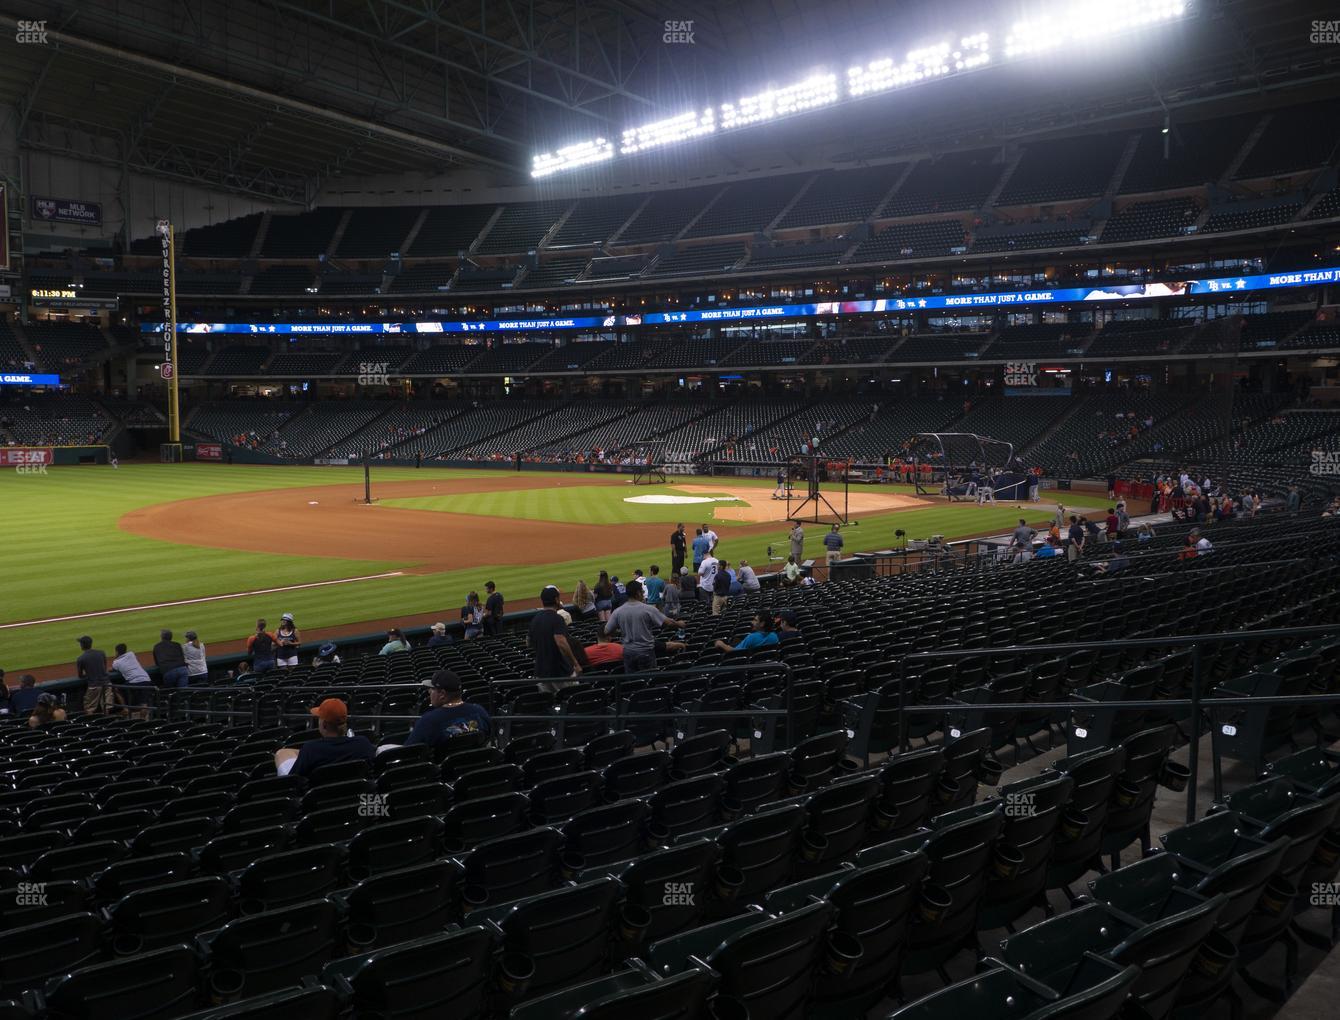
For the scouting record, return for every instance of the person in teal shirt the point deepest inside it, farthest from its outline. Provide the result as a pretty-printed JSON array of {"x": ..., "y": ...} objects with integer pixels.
[
  {"x": 653, "y": 586},
  {"x": 760, "y": 637}
]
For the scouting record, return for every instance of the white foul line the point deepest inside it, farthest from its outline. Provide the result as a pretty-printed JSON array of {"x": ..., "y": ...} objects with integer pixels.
[{"x": 207, "y": 598}]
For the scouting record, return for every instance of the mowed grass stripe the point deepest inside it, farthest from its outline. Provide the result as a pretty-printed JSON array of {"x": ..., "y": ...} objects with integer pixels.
[{"x": 583, "y": 505}]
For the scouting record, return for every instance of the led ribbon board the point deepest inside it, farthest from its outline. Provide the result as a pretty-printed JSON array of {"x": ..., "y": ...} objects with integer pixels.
[{"x": 1226, "y": 285}]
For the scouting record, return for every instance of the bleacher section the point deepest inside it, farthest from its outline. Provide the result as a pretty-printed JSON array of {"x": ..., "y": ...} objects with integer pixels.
[
  {"x": 957, "y": 182},
  {"x": 1139, "y": 221},
  {"x": 911, "y": 241},
  {"x": 747, "y": 206},
  {"x": 888, "y": 425},
  {"x": 1131, "y": 337},
  {"x": 521, "y": 227},
  {"x": 1297, "y": 138},
  {"x": 64, "y": 420},
  {"x": 1062, "y": 170},
  {"x": 60, "y": 345},
  {"x": 374, "y": 233},
  {"x": 284, "y": 279},
  {"x": 304, "y": 236},
  {"x": 666, "y": 214},
  {"x": 1197, "y": 153},
  {"x": 702, "y": 260},
  {"x": 450, "y": 230},
  {"x": 595, "y": 220},
  {"x": 841, "y": 196},
  {"x": 321, "y": 425}
]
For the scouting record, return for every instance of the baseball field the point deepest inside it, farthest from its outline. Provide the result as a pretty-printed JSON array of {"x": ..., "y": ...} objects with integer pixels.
[{"x": 119, "y": 553}]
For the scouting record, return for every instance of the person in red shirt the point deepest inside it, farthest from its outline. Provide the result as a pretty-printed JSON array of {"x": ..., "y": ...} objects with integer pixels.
[
  {"x": 1112, "y": 523},
  {"x": 604, "y": 651}
]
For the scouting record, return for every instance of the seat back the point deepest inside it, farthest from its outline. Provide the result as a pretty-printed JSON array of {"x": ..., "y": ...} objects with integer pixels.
[
  {"x": 408, "y": 903},
  {"x": 673, "y": 885},
  {"x": 151, "y": 986},
  {"x": 277, "y": 947},
  {"x": 565, "y": 933},
  {"x": 770, "y": 967}
]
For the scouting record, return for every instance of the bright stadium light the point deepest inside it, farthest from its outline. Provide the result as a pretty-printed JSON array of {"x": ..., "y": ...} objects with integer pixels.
[
  {"x": 1055, "y": 27},
  {"x": 571, "y": 156},
  {"x": 672, "y": 129},
  {"x": 817, "y": 90}
]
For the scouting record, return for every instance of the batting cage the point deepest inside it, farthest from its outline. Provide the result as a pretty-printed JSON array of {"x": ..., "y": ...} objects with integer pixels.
[
  {"x": 648, "y": 462},
  {"x": 815, "y": 489},
  {"x": 972, "y": 467}
]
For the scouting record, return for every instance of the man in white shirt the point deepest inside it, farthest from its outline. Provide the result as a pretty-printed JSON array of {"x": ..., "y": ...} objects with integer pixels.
[
  {"x": 711, "y": 537},
  {"x": 707, "y": 574}
]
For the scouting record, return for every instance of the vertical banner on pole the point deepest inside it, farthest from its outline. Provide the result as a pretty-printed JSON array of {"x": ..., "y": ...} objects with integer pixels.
[{"x": 168, "y": 368}]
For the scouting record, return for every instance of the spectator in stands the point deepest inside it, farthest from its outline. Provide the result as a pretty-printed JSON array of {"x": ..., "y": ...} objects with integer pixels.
[
  {"x": 1119, "y": 561},
  {"x": 472, "y": 616},
  {"x": 555, "y": 660},
  {"x": 327, "y": 655},
  {"x": 654, "y": 586},
  {"x": 604, "y": 593},
  {"x": 1202, "y": 544},
  {"x": 1023, "y": 534},
  {"x": 439, "y": 638},
  {"x": 760, "y": 636},
  {"x": 1050, "y": 549},
  {"x": 1094, "y": 535},
  {"x": 395, "y": 642},
  {"x": 833, "y": 545},
  {"x": 604, "y": 651},
  {"x": 286, "y": 642},
  {"x": 619, "y": 594},
  {"x": 1294, "y": 500},
  {"x": 91, "y": 667},
  {"x": 712, "y": 538},
  {"x": 493, "y": 610},
  {"x": 701, "y": 547},
  {"x": 1076, "y": 547},
  {"x": 47, "y": 710},
  {"x": 197, "y": 665},
  {"x": 721, "y": 587},
  {"x": 798, "y": 543},
  {"x": 6, "y": 706},
  {"x": 449, "y": 715},
  {"x": 747, "y": 579},
  {"x": 791, "y": 572},
  {"x": 337, "y": 743},
  {"x": 1112, "y": 524},
  {"x": 171, "y": 661},
  {"x": 261, "y": 648},
  {"x": 583, "y": 600},
  {"x": 679, "y": 543},
  {"x": 672, "y": 600},
  {"x": 22, "y": 701},
  {"x": 135, "y": 676},
  {"x": 636, "y": 622},
  {"x": 707, "y": 577},
  {"x": 787, "y": 626}
]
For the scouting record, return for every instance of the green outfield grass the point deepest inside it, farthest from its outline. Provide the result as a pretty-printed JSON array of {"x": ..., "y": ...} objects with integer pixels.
[
  {"x": 582, "y": 505},
  {"x": 65, "y": 554}
]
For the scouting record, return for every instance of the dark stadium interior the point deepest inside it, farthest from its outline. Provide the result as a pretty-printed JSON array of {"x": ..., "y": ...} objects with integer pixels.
[{"x": 1088, "y": 776}]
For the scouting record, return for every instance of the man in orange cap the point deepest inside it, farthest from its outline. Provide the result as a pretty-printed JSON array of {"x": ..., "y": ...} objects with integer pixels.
[{"x": 336, "y": 743}]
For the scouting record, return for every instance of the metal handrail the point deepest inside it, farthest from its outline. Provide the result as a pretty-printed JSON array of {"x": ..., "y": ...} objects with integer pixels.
[{"x": 1195, "y": 702}]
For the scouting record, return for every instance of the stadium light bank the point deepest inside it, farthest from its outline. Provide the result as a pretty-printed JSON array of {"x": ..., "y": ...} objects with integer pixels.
[{"x": 1069, "y": 25}]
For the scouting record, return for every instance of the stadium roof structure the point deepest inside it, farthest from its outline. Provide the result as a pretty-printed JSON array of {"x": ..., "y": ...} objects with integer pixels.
[{"x": 275, "y": 98}]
